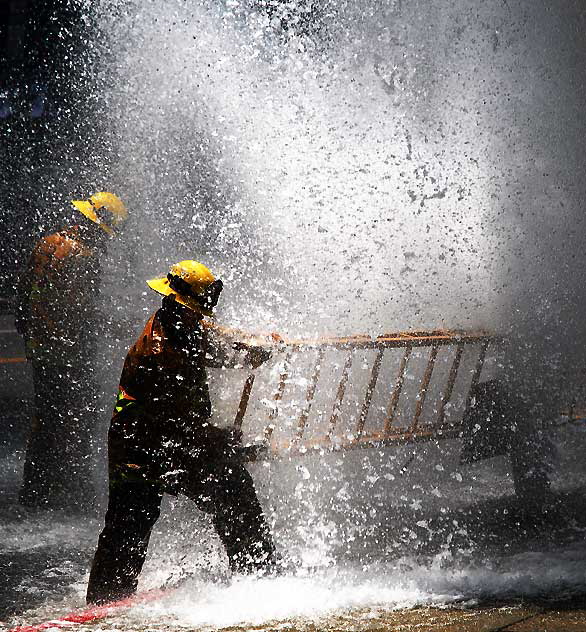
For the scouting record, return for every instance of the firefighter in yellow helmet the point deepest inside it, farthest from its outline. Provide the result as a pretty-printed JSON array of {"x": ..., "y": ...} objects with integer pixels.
[
  {"x": 161, "y": 441},
  {"x": 56, "y": 312}
]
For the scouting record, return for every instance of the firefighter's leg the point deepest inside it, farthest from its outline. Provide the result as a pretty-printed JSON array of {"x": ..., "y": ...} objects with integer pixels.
[
  {"x": 36, "y": 483},
  {"x": 43, "y": 460},
  {"x": 133, "y": 509},
  {"x": 77, "y": 436},
  {"x": 228, "y": 493},
  {"x": 58, "y": 470}
]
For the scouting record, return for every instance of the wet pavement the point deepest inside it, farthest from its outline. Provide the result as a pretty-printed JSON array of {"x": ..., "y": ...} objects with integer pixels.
[
  {"x": 45, "y": 556},
  {"x": 497, "y": 618},
  {"x": 489, "y": 619}
]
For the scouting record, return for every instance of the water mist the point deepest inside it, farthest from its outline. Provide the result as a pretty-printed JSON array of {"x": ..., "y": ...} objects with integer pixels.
[{"x": 351, "y": 167}]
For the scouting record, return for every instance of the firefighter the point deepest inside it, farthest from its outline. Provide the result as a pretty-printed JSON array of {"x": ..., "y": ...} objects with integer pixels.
[
  {"x": 161, "y": 441},
  {"x": 56, "y": 312}
]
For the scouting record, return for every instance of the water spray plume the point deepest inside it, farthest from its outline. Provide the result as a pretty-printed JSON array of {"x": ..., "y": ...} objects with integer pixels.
[{"x": 363, "y": 168}]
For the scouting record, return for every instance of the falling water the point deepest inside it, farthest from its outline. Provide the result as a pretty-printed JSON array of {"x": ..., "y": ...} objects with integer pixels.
[
  {"x": 360, "y": 167},
  {"x": 330, "y": 167}
]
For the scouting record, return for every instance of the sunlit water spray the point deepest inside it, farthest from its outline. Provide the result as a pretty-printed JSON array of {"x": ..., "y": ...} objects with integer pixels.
[
  {"x": 352, "y": 177},
  {"x": 350, "y": 174},
  {"x": 323, "y": 172}
]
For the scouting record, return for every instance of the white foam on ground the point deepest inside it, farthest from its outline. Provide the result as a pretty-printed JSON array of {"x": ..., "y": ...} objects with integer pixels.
[
  {"x": 309, "y": 597},
  {"x": 402, "y": 584}
]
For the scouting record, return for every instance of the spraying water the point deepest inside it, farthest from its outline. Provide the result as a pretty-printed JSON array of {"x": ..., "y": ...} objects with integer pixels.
[
  {"x": 324, "y": 164},
  {"x": 358, "y": 167},
  {"x": 374, "y": 167}
]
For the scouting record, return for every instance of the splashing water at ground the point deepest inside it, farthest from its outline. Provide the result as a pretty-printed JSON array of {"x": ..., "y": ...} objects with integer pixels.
[
  {"x": 394, "y": 167},
  {"x": 461, "y": 540}
]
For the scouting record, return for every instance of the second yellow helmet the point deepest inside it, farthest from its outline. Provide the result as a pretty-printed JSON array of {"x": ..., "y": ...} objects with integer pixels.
[{"x": 105, "y": 209}]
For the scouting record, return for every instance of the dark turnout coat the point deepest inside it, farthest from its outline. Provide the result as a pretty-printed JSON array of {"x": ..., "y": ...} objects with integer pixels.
[
  {"x": 56, "y": 308},
  {"x": 163, "y": 403},
  {"x": 57, "y": 312},
  {"x": 161, "y": 441}
]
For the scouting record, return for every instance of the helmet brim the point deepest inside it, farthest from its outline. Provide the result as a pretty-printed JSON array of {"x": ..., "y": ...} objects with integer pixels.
[
  {"x": 87, "y": 210},
  {"x": 161, "y": 286}
]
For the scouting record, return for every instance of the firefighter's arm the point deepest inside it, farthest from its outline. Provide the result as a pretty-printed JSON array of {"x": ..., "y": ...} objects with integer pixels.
[
  {"x": 257, "y": 354},
  {"x": 68, "y": 295},
  {"x": 232, "y": 348},
  {"x": 70, "y": 283}
]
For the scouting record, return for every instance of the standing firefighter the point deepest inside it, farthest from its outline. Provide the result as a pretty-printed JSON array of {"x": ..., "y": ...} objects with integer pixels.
[
  {"x": 160, "y": 440},
  {"x": 57, "y": 315}
]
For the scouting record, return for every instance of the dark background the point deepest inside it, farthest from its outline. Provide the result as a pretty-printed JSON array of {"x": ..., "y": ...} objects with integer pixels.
[{"x": 47, "y": 55}]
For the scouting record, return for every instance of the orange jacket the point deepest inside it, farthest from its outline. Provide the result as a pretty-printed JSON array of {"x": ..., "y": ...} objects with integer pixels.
[{"x": 56, "y": 295}]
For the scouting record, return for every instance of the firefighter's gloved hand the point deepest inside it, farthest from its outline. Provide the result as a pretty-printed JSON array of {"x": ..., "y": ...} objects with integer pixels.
[
  {"x": 257, "y": 356},
  {"x": 232, "y": 437},
  {"x": 223, "y": 443},
  {"x": 233, "y": 444}
]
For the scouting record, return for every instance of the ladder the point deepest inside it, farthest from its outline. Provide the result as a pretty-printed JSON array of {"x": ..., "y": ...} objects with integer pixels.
[{"x": 354, "y": 392}]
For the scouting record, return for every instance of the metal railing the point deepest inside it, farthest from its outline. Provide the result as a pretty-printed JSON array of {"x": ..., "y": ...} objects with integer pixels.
[{"x": 421, "y": 396}]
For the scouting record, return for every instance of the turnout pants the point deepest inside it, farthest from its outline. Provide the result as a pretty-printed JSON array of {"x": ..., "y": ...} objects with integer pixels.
[
  {"x": 224, "y": 490},
  {"x": 59, "y": 464}
]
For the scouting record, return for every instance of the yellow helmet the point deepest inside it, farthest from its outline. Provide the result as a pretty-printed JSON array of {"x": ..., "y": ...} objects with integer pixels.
[
  {"x": 193, "y": 285},
  {"x": 105, "y": 209}
]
